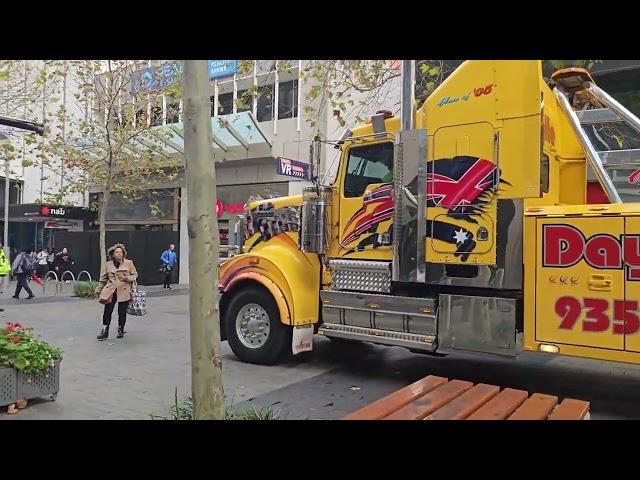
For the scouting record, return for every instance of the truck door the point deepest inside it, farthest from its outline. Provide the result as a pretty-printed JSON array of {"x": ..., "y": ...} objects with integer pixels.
[
  {"x": 461, "y": 213},
  {"x": 366, "y": 201},
  {"x": 484, "y": 125}
]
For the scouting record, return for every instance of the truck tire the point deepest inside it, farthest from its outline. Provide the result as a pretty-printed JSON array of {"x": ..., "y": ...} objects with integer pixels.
[{"x": 253, "y": 327}]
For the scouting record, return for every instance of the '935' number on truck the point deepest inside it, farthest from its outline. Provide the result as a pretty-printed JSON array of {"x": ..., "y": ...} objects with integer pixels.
[{"x": 625, "y": 315}]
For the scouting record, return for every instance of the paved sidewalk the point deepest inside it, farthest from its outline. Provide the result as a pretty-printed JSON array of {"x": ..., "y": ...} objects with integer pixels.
[{"x": 135, "y": 377}]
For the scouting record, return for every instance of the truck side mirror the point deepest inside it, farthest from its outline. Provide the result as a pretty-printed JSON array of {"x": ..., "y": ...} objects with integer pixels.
[{"x": 314, "y": 157}]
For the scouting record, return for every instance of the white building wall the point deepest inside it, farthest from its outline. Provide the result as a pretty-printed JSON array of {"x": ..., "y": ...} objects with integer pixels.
[{"x": 39, "y": 179}]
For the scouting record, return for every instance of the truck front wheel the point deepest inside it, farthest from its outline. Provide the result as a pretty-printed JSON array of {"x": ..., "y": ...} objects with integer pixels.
[{"x": 253, "y": 327}]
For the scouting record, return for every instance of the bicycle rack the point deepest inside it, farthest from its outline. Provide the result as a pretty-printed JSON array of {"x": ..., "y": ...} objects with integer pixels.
[
  {"x": 88, "y": 275},
  {"x": 61, "y": 282},
  {"x": 44, "y": 281}
]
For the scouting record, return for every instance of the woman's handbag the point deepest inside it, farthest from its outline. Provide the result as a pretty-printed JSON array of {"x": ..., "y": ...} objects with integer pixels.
[
  {"x": 138, "y": 304},
  {"x": 106, "y": 295}
]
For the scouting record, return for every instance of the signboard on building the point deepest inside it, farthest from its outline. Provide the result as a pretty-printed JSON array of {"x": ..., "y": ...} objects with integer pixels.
[
  {"x": 158, "y": 78},
  {"x": 229, "y": 208},
  {"x": 232, "y": 198},
  {"x": 222, "y": 68},
  {"x": 155, "y": 78},
  {"x": 293, "y": 168},
  {"x": 46, "y": 211},
  {"x": 69, "y": 225}
]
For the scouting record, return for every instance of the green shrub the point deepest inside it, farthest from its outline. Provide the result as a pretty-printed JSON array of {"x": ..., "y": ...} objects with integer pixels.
[{"x": 85, "y": 289}]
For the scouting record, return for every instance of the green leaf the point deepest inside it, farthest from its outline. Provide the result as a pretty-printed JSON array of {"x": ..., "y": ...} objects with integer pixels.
[{"x": 20, "y": 363}]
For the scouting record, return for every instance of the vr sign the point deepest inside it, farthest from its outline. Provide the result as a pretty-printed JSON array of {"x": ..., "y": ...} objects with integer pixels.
[{"x": 293, "y": 168}]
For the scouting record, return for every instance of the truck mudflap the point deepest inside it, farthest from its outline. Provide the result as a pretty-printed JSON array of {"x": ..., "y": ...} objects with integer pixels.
[{"x": 302, "y": 339}]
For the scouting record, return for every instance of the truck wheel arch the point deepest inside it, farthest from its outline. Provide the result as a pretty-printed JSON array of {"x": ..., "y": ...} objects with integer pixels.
[{"x": 245, "y": 278}]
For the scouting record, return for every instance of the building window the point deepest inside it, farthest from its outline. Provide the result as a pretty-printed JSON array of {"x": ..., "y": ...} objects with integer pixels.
[
  {"x": 288, "y": 99},
  {"x": 265, "y": 103},
  {"x": 244, "y": 102},
  {"x": 156, "y": 113},
  {"x": 141, "y": 113},
  {"x": 225, "y": 103},
  {"x": 126, "y": 113},
  {"x": 173, "y": 110}
]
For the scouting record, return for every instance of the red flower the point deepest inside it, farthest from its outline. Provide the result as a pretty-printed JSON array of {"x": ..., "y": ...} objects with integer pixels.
[
  {"x": 15, "y": 340},
  {"x": 9, "y": 328}
]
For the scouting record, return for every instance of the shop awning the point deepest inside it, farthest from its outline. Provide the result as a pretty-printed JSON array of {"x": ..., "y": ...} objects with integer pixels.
[{"x": 234, "y": 136}]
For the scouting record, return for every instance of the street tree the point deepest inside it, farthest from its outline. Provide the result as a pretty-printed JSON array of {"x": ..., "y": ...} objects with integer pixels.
[
  {"x": 109, "y": 141},
  {"x": 206, "y": 359}
]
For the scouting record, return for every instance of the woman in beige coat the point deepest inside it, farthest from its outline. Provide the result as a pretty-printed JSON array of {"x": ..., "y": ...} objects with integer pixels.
[{"x": 115, "y": 286}]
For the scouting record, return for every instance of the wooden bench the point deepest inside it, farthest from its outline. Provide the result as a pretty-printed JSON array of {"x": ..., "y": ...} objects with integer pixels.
[{"x": 438, "y": 398}]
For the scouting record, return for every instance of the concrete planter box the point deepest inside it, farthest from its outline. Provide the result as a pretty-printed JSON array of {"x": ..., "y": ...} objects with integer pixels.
[{"x": 15, "y": 385}]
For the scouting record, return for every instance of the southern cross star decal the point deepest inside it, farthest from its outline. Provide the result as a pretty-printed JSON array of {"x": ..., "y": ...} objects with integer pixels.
[
  {"x": 460, "y": 236},
  {"x": 45, "y": 211}
]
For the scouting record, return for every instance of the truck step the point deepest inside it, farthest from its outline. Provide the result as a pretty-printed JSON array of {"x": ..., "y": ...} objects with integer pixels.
[{"x": 415, "y": 341}]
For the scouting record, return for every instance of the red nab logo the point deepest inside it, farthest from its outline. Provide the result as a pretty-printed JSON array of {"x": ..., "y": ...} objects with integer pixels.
[{"x": 564, "y": 246}]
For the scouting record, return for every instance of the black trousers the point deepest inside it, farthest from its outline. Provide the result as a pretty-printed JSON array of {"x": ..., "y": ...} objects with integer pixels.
[
  {"x": 167, "y": 278},
  {"x": 122, "y": 312},
  {"x": 22, "y": 283}
]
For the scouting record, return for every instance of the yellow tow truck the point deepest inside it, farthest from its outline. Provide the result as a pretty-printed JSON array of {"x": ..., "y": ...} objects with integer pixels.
[{"x": 502, "y": 215}]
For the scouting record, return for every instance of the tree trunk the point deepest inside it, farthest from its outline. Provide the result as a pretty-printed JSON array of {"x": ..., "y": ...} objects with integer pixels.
[
  {"x": 104, "y": 204},
  {"x": 206, "y": 362}
]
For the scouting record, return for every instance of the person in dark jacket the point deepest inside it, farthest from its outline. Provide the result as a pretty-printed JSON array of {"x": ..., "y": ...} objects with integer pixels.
[
  {"x": 19, "y": 271},
  {"x": 62, "y": 263}
]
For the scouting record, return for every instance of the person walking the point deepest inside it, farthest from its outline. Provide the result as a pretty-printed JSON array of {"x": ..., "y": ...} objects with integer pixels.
[
  {"x": 115, "y": 287},
  {"x": 168, "y": 259},
  {"x": 23, "y": 266}
]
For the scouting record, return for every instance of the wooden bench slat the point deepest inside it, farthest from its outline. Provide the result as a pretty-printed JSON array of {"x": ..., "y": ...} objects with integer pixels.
[
  {"x": 536, "y": 407},
  {"x": 398, "y": 399},
  {"x": 467, "y": 403},
  {"x": 570, "y": 409},
  {"x": 430, "y": 402},
  {"x": 500, "y": 406}
]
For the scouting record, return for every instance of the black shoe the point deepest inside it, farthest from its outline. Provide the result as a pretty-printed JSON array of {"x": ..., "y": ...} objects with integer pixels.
[
  {"x": 169, "y": 288},
  {"x": 30, "y": 297},
  {"x": 104, "y": 333},
  {"x": 120, "y": 332},
  {"x": 16, "y": 297},
  {"x": 1, "y": 309}
]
